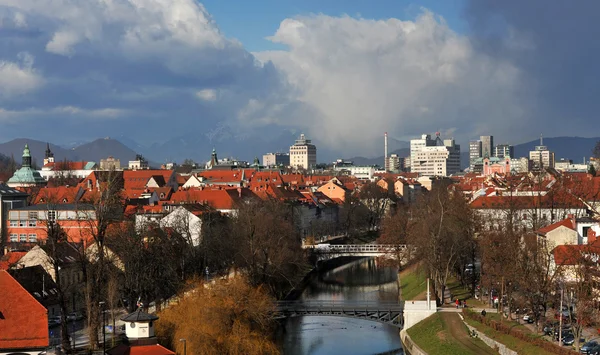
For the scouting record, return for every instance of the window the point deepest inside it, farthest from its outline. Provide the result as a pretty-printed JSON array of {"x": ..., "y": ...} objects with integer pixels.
[
  {"x": 23, "y": 237},
  {"x": 32, "y": 223},
  {"x": 33, "y": 238},
  {"x": 13, "y": 223},
  {"x": 14, "y": 237},
  {"x": 22, "y": 223},
  {"x": 33, "y": 215},
  {"x": 51, "y": 216}
]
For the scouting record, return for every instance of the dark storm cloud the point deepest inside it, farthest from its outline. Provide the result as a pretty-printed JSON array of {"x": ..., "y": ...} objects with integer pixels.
[{"x": 555, "y": 45}]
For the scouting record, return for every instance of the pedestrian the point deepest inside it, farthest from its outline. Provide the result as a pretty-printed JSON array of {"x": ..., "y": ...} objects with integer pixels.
[
  {"x": 465, "y": 304},
  {"x": 457, "y": 303}
]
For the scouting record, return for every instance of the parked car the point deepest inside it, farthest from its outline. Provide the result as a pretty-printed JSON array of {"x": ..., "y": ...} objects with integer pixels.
[
  {"x": 594, "y": 351},
  {"x": 74, "y": 316},
  {"x": 565, "y": 334},
  {"x": 569, "y": 340},
  {"x": 588, "y": 347},
  {"x": 53, "y": 321},
  {"x": 528, "y": 318},
  {"x": 549, "y": 329}
]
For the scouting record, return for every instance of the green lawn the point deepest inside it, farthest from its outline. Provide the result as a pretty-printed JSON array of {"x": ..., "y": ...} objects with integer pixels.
[
  {"x": 413, "y": 283},
  {"x": 520, "y": 346},
  {"x": 433, "y": 336}
]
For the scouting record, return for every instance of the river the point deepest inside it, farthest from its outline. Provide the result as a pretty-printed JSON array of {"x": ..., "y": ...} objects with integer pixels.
[{"x": 362, "y": 280}]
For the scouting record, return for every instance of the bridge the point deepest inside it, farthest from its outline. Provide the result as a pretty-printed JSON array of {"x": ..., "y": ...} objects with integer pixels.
[
  {"x": 330, "y": 251},
  {"x": 390, "y": 313}
]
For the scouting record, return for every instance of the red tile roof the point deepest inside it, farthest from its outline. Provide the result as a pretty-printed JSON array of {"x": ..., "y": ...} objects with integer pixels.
[
  {"x": 68, "y": 165},
  {"x": 24, "y": 321},
  {"x": 11, "y": 258},
  {"x": 574, "y": 254},
  {"x": 155, "y": 349},
  {"x": 568, "y": 222},
  {"x": 219, "y": 199},
  {"x": 59, "y": 194}
]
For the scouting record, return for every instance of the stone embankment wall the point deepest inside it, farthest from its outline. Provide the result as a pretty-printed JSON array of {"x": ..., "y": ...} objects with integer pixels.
[
  {"x": 409, "y": 346},
  {"x": 502, "y": 349}
]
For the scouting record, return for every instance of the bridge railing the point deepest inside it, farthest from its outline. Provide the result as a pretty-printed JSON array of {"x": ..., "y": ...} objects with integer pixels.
[
  {"x": 356, "y": 248},
  {"x": 328, "y": 304}
]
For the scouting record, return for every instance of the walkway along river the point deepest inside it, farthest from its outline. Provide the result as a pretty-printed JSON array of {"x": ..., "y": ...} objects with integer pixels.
[{"x": 361, "y": 280}]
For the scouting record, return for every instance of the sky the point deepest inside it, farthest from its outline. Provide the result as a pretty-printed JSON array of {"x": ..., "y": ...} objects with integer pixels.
[{"x": 343, "y": 72}]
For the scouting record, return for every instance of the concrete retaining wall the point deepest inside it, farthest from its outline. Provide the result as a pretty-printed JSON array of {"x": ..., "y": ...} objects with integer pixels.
[
  {"x": 502, "y": 349},
  {"x": 416, "y": 311},
  {"x": 409, "y": 346}
]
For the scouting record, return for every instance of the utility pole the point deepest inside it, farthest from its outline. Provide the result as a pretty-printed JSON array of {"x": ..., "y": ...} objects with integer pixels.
[
  {"x": 560, "y": 312},
  {"x": 183, "y": 340},
  {"x": 102, "y": 305}
]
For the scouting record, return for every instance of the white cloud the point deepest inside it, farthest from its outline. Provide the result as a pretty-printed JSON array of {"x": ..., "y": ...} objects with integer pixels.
[
  {"x": 17, "y": 78},
  {"x": 207, "y": 94},
  {"x": 360, "y": 78}
]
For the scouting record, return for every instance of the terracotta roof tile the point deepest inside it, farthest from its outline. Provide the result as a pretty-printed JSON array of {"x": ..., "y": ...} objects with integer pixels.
[{"x": 24, "y": 321}]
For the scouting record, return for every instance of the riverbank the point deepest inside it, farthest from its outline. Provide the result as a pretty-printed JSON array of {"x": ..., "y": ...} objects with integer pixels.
[{"x": 444, "y": 333}]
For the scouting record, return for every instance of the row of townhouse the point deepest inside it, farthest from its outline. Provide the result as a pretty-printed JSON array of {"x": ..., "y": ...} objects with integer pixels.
[{"x": 161, "y": 197}]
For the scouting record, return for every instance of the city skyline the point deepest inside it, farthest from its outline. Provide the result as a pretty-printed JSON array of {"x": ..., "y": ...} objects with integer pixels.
[{"x": 342, "y": 73}]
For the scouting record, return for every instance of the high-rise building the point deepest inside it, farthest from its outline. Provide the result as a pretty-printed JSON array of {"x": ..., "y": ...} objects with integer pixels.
[
  {"x": 394, "y": 163},
  {"x": 504, "y": 151},
  {"x": 541, "y": 158},
  {"x": 474, "y": 153},
  {"x": 303, "y": 154},
  {"x": 434, "y": 157},
  {"x": 276, "y": 159},
  {"x": 487, "y": 146}
]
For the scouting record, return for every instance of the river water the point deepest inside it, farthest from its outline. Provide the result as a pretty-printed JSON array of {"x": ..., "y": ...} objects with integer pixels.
[{"x": 362, "y": 280}]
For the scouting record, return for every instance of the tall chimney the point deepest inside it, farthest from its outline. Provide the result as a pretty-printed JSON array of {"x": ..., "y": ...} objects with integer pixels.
[{"x": 385, "y": 152}]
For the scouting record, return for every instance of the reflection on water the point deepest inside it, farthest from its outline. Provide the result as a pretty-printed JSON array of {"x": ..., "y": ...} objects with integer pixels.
[{"x": 363, "y": 280}]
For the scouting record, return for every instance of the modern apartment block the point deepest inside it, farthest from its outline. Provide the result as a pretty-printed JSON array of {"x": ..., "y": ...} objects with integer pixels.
[
  {"x": 474, "y": 153},
  {"x": 481, "y": 148},
  {"x": 303, "y": 154},
  {"x": 487, "y": 146},
  {"x": 541, "y": 158},
  {"x": 276, "y": 159},
  {"x": 504, "y": 150},
  {"x": 434, "y": 157}
]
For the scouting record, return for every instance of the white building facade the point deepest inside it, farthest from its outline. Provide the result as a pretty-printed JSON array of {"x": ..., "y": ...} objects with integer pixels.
[
  {"x": 434, "y": 157},
  {"x": 303, "y": 154}
]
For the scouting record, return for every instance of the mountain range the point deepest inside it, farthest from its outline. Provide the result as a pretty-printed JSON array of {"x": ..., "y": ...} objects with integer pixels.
[
  {"x": 199, "y": 149},
  {"x": 91, "y": 151}
]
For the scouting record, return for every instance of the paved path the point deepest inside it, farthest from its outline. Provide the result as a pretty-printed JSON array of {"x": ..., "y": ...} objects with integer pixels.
[{"x": 459, "y": 333}]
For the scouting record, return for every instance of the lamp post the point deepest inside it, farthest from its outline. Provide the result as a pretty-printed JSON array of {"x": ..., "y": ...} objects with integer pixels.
[
  {"x": 184, "y": 346},
  {"x": 206, "y": 270},
  {"x": 102, "y": 305}
]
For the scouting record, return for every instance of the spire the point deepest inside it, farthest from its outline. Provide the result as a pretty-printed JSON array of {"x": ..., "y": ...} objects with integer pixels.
[
  {"x": 49, "y": 153},
  {"x": 26, "y": 157}
]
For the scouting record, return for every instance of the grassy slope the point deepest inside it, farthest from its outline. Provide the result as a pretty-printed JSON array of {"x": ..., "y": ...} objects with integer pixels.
[
  {"x": 413, "y": 284},
  {"x": 432, "y": 335},
  {"x": 511, "y": 342}
]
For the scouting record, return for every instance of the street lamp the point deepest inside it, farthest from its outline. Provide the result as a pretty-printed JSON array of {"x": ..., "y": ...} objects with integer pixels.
[
  {"x": 184, "y": 346},
  {"x": 206, "y": 270},
  {"x": 102, "y": 304}
]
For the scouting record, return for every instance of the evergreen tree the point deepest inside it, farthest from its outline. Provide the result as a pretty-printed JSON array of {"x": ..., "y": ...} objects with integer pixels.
[{"x": 592, "y": 170}]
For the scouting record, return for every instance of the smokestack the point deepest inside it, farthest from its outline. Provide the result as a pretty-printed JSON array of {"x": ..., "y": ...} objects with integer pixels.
[{"x": 385, "y": 152}]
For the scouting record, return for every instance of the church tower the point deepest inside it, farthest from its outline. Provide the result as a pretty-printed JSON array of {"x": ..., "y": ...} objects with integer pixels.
[{"x": 49, "y": 157}]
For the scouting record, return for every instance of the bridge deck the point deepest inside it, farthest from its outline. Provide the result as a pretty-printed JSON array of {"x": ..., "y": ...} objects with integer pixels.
[{"x": 383, "y": 312}]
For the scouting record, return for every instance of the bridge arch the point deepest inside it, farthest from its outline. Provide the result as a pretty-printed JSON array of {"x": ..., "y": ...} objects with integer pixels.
[{"x": 390, "y": 313}]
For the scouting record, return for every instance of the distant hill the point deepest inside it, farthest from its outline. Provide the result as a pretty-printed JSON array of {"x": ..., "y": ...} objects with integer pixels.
[
  {"x": 92, "y": 151},
  {"x": 362, "y": 161},
  {"x": 574, "y": 148},
  {"x": 103, "y": 148},
  {"x": 15, "y": 147}
]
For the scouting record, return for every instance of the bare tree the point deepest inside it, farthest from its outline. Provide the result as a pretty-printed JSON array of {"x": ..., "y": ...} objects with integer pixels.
[
  {"x": 444, "y": 229},
  {"x": 268, "y": 245}
]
